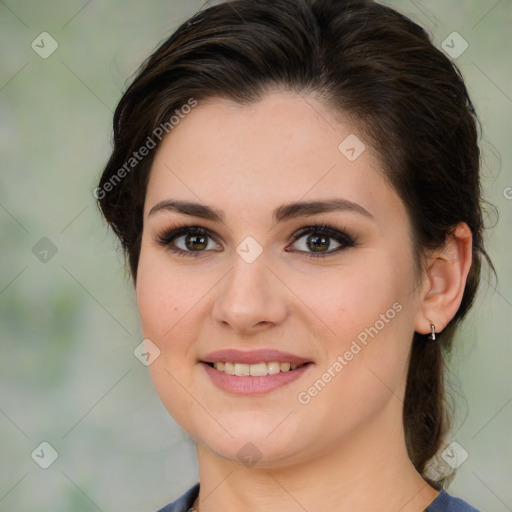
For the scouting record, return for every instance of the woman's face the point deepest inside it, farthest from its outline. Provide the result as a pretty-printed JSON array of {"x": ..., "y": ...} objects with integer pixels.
[{"x": 259, "y": 280}]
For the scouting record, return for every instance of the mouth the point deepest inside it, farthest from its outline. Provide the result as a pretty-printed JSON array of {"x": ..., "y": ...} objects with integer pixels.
[
  {"x": 258, "y": 377},
  {"x": 260, "y": 369},
  {"x": 253, "y": 373}
]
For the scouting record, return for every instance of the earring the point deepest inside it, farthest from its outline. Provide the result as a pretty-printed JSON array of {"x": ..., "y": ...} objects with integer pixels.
[{"x": 432, "y": 335}]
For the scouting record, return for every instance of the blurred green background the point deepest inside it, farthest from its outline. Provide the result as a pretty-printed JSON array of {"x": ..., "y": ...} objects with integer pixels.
[{"x": 68, "y": 320}]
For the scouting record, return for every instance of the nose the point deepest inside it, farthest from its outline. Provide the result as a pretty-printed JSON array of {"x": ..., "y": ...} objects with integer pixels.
[{"x": 250, "y": 299}]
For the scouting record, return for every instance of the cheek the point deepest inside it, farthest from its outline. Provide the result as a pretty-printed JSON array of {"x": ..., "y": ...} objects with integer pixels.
[
  {"x": 351, "y": 298},
  {"x": 157, "y": 304},
  {"x": 369, "y": 315},
  {"x": 163, "y": 296},
  {"x": 163, "y": 303}
]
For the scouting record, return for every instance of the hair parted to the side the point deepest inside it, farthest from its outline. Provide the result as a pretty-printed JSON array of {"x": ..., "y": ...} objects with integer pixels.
[{"x": 367, "y": 62}]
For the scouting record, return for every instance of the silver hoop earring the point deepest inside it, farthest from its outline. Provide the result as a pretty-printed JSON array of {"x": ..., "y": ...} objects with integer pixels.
[{"x": 432, "y": 336}]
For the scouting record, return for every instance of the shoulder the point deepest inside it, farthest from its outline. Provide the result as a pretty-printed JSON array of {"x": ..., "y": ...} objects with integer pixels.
[
  {"x": 183, "y": 503},
  {"x": 446, "y": 503}
]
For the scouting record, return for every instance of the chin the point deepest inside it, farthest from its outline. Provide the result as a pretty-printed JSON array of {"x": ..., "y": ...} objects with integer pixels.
[
  {"x": 267, "y": 443},
  {"x": 255, "y": 453}
]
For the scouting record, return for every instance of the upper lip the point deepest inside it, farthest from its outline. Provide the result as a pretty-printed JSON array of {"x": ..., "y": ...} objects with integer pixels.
[{"x": 253, "y": 356}]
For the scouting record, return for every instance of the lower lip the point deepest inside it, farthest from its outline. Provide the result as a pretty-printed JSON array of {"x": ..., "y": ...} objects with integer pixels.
[{"x": 253, "y": 385}]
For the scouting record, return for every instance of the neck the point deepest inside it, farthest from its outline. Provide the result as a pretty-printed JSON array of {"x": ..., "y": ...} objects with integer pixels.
[{"x": 370, "y": 471}]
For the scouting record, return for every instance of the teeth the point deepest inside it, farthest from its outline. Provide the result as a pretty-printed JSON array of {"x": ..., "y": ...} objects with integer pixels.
[
  {"x": 229, "y": 368},
  {"x": 273, "y": 368},
  {"x": 255, "y": 370},
  {"x": 258, "y": 370},
  {"x": 242, "y": 370}
]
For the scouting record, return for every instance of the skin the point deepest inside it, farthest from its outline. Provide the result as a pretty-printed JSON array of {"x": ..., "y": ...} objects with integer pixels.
[{"x": 345, "y": 449}]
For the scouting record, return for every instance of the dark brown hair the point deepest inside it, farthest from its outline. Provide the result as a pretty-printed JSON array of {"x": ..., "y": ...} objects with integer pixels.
[{"x": 369, "y": 63}]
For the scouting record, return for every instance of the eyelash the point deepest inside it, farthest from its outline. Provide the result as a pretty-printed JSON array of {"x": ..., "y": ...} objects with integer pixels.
[
  {"x": 345, "y": 240},
  {"x": 342, "y": 237}
]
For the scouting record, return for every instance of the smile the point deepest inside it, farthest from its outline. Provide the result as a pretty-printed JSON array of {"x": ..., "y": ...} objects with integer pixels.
[
  {"x": 253, "y": 379},
  {"x": 254, "y": 370}
]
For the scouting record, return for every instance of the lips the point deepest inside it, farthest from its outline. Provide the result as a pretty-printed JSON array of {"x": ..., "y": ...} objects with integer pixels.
[
  {"x": 253, "y": 357},
  {"x": 253, "y": 372}
]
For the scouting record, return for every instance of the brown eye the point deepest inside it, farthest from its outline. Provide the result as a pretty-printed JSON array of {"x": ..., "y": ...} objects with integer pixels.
[
  {"x": 196, "y": 242},
  {"x": 189, "y": 241},
  {"x": 321, "y": 240},
  {"x": 318, "y": 243}
]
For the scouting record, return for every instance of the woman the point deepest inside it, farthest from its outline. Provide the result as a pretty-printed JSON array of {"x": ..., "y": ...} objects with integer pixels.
[{"x": 296, "y": 186}]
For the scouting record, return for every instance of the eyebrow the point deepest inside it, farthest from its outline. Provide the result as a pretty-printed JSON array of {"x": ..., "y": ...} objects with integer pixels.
[{"x": 280, "y": 214}]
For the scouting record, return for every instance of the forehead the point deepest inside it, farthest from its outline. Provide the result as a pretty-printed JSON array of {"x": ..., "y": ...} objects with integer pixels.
[{"x": 283, "y": 148}]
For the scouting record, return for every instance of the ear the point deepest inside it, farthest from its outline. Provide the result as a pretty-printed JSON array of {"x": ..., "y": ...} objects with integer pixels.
[{"x": 445, "y": 280}]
